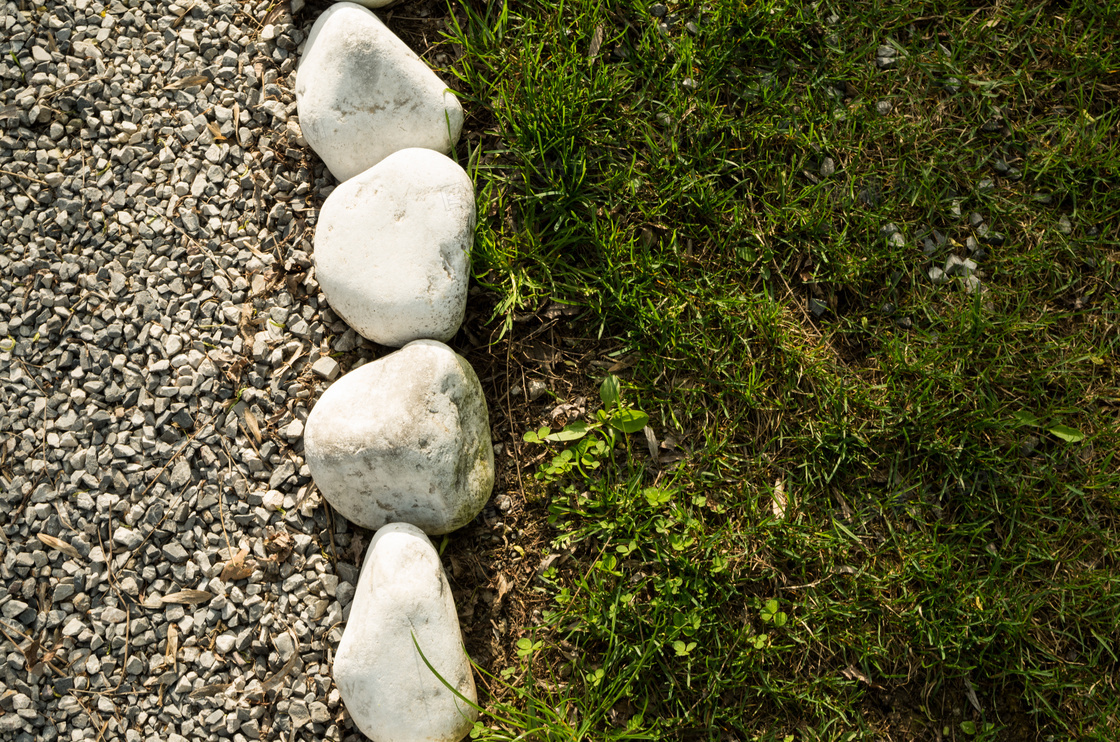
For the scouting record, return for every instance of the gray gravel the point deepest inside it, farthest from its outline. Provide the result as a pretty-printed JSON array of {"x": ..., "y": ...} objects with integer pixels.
[{"x": 162, "y": 338}]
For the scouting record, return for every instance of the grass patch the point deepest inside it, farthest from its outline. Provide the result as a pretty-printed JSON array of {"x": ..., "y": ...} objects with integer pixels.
[{"x": 892, "y": 512}]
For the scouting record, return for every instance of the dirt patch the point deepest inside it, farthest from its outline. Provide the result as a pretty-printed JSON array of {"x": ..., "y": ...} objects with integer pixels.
[{"x": 532, "y": 375}]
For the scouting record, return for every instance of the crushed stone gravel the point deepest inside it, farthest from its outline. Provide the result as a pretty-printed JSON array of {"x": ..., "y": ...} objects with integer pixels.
[{"x": 162, "y": 339}]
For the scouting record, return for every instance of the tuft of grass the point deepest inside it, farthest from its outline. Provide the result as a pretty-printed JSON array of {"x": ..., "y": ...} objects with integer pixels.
[{"x": 920, "y": 476}]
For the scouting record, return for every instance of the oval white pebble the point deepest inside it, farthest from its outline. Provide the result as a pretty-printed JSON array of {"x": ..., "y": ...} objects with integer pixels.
[
  {"x": 393, "y": 245},
  {"x": 405, "y": 438},
  {"x": 362, "y": 94},
  {"x": 403, "y": 601}
]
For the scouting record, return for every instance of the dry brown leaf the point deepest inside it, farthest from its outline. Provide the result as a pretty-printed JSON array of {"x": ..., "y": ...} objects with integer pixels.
[
  {"x": 209, "y": 690},
  {"x": 851, "y": 673},
  {"x": 245, "y": 320},
  {"x": 357, "y": 544},
  {"x": 172, "y": 653},
  {"x": 63, "y": 518},
  {"x": 220, "y": 356},
  {"x": 279, "y": 544},
  {"x": 651, "y": 442},
  {"x": 622, "y": 364},
  {"x": 236, "y": 568},
  {"x": 503, "y": 586},
  {"x": 970, "y": 693},
  {"x": 235, "y": 369},
  {"x": 215, "y": 131},
  {"x": 274, "y": 14},
  {"x": 187, "y": 82},
  {"x": 596, "y": 42},
  {"x": 253, "y": 426},
  {"x": 31, "y": 654},
  {"x": 189, "y": 597},
  {"x": 57, "y": 543},
  {"x": 778, "y": 506}
]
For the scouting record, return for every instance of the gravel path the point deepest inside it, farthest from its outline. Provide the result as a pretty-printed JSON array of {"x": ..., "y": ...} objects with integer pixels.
[{"x": 161, "y": 340}]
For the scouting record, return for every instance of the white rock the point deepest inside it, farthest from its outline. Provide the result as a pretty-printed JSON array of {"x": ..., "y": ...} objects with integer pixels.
[
  {"x": 390, "y": 692},
  {"x": 363, "y": 95},
  {"x": 392, "y": 248},
  {"x": 273, "y": 500},
  {"x": 376, "y": 3},
  {"x": 405, "y": 438}
]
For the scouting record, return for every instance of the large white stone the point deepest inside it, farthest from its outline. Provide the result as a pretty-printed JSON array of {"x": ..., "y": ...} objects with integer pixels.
[
  {"x": 404, "y": 439},
  {"x": 362, "y": 94},
  {"x": 375, "y": 3},
  {"x": 391, "y": 694},
  {"x": 393, "y": 246}
]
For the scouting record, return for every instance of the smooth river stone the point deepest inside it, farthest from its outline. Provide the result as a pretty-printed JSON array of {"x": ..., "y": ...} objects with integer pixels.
[
  {"x": 363, "y": 95},
  {"x": 403, "y": 600},
  {"x": 374, "y": 4},
  {"x": 404, "y": 439},
  {"x": 393, "y": 247}
]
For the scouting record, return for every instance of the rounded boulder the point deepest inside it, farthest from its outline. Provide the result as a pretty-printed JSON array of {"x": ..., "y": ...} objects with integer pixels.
[
  {"x": 403, "y": 614},
  {"x": 362, "y": 94},
  {"x": 393, "y": 245},
  {"x": 405, "y": 438}
]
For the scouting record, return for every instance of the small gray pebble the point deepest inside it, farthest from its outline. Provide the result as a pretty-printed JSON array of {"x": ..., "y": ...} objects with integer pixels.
[
  {"x": 174, "y": 552},
  {"x": 285, "y": 647},
  {"x": 326, "y": 368},
  {"x": 128, "y": 538}
]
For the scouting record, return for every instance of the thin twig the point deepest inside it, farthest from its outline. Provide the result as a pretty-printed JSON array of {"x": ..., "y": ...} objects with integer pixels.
[
  {"x": 25, "y": 177},
  {"x": 56, "y": 91}
]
